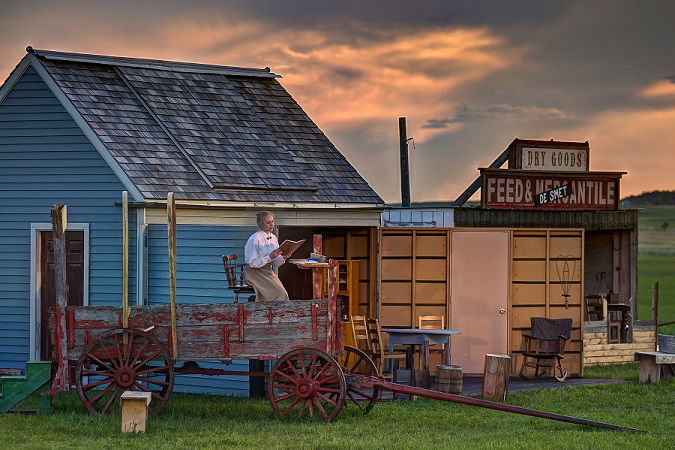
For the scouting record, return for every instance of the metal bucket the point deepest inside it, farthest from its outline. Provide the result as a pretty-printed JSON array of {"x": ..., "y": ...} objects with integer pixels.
[{"x": 666, "y": 343}]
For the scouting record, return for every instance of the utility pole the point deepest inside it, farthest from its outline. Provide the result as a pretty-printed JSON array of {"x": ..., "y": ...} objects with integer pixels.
[{"x": 405, "y": 170}]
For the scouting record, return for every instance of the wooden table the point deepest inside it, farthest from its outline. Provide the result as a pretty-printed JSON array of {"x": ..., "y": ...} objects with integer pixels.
[
  {"x": 653, "y": 364},
  {"x": 423, "y": 338}
]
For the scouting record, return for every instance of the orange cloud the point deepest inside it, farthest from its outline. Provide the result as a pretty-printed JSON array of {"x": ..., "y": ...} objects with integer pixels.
[
  {"x": 663, "y": 88},
  {"x": 637, "y": 141}
]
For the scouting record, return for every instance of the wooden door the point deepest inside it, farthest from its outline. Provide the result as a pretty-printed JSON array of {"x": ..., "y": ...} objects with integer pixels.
[
  {"x": 74, "y": 274},
  {"x": 479, "y": 296}
]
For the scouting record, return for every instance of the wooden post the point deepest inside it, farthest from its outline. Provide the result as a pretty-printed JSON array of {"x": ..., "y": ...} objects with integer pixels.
[
  {"x": 171, "y": 226},
  {"x": 496, "y": 376},
  {"x": 317, "y": 272},
  {"x": 405, "y": 169},
  {"x": 59, "y": 226},
  {"x": 655, "y": 312},
  {"x": 332, "y": 315},
  {"x": 125, "y": 261},
  {"x": 134, "y": 411}
]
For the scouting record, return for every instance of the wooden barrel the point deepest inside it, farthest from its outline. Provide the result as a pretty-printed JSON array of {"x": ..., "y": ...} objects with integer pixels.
[{"x": 449, "y": 379}]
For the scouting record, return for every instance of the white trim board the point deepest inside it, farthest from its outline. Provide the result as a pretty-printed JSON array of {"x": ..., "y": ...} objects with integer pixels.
[
  {"x": 35, "y": 228},
  {"x": 141, "y": 258},
  {"x": 18, "y": 72}
]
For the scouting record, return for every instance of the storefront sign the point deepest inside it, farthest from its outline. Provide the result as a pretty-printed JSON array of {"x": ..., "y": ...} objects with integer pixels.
[
  {"x": 555, "y": 159},
  {"x": 508, "y": 189},
  {"x": 549, "y": 156}
]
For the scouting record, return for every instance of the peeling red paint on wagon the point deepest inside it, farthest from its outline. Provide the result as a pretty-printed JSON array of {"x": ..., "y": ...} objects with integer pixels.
[
  {"x": 70, "y": 324},
  {"x": 315, "y": 331},
  {"x": 226, "y": 341},
  {"x": 93, "y": 324}
]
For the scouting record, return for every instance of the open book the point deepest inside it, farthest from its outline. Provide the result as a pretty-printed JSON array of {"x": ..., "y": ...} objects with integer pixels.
[{"x": 289, "y": 247}]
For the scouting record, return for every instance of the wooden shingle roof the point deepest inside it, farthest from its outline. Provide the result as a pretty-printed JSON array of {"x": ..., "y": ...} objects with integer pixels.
[{"x": 205, "y": 132}]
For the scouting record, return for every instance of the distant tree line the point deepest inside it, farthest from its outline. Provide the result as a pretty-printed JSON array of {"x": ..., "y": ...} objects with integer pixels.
[{"x": 650, "y": 198}]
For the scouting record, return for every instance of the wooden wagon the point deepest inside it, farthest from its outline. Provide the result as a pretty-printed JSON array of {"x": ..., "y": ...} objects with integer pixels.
[{"x": 302, "y": 335}]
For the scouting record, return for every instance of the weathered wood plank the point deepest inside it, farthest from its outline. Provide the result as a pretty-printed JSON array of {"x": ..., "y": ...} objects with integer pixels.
[
  {"x": 107, "y": 317},
  {"x": 615, "y": 347},
  {"x": 607, "y": 359},
  {"x": 253, "y": 329},
  {"x": 125, "y": 259},
  {"x": 59, "y": 226},
  {"x": 171, "y": 228}
]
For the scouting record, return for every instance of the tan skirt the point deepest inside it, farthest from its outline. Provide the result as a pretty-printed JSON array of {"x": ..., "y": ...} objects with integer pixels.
[{"x": 266, "y": 284}]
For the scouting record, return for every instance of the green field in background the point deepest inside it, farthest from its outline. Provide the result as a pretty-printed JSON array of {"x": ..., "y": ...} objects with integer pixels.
[{"x": 656, "y": 262}]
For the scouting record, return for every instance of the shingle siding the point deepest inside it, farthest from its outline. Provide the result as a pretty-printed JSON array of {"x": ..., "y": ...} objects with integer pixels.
[
  {"x": 46, "y": 159},
  {"x": 200, "y": 278}
]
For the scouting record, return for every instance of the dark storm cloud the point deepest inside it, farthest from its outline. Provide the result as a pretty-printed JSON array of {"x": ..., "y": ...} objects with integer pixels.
[
  {"x": 438, "y": 123},
  {"x": 465, "y": 113},
  {"x": 567, "y": 68},
  {"x": 400, "y": 12}
]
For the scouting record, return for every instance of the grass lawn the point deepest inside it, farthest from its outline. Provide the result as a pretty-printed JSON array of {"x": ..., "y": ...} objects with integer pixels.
[
  {"x": 214, "y": 422},
  {"x": 661, "y": 268}
]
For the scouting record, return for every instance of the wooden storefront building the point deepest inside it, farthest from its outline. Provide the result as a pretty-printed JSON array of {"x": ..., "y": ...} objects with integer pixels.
[{"x": 575, "y": 241}]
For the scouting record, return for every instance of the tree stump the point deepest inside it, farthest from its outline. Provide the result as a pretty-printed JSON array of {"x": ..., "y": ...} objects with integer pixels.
[{"x": 496, "y": 376}]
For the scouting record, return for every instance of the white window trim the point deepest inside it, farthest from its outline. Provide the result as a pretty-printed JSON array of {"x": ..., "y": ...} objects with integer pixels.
[{"x": 35, "y": 228}]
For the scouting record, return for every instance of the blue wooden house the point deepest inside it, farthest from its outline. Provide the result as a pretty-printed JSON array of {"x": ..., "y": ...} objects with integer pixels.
[{"x": 79, "y": 129}]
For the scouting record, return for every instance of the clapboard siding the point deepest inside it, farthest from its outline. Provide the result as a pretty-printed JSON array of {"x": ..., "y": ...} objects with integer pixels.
[
  {"x": 200, "y": 278},
  {"x": 46, "y": 159}
]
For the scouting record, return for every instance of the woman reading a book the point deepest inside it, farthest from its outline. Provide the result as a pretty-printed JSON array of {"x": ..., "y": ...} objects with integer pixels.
[{"x": 261, "y": 253}]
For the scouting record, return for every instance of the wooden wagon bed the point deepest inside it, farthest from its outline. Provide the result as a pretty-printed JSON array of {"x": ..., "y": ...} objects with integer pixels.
[{"x": 215, "y": 331}]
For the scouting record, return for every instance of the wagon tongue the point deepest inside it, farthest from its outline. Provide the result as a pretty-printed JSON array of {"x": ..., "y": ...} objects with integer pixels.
[{"x": 372, "y": 382}]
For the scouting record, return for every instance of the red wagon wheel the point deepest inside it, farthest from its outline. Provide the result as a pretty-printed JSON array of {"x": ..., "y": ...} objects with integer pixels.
[
  {"x": 121, "y": 360},
  {"x": 357, "y": 362},
  {"x": 307, "y": 380}
]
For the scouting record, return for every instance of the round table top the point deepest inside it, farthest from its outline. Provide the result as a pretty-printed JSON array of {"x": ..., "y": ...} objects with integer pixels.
[{"x": 419, "y": 331}]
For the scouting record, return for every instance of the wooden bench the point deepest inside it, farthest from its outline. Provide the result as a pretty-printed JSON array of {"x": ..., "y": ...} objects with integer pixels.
[{"x": 655, "y": 364}]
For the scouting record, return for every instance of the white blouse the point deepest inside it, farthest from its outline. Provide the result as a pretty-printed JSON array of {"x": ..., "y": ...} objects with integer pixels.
[{"x": 257, "y": 250}]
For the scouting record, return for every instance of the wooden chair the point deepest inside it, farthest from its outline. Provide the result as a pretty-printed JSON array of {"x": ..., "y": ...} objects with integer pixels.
[
  {"x": 545, "y": 344},
  {"x": 618, "y": 319},
  {"x": 360, "y": 333},
  {"x": 235, "y": 276},
  {"x": 432, "y": 323},
  {"x": 380, "y": 353},
  {"x": 596, "y": 307}
]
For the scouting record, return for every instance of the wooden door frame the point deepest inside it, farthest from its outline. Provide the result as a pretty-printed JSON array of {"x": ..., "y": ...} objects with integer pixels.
[{"x": 35, "y": 229}]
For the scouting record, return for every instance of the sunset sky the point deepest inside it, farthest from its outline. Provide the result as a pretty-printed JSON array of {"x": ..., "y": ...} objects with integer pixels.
[{"x": 470, "y": 76}]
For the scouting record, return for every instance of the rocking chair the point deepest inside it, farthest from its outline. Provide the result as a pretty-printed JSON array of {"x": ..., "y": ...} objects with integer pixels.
[
  {"x": 235, "y": 276},
  {"x": 546, "y": 341}
]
